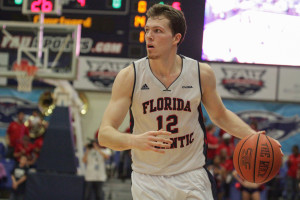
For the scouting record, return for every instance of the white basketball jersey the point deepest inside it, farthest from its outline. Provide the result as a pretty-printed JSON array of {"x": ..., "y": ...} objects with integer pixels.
[{"x": 176, "y": 109}]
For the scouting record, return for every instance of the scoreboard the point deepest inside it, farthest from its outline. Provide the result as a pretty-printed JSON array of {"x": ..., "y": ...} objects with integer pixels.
[{"x": 110, "y": 28}]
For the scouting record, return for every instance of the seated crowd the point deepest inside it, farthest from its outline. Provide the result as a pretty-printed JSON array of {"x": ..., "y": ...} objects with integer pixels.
[{"x": 24, "y": 140}]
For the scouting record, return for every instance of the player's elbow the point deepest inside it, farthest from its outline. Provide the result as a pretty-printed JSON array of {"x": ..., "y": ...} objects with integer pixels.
[{"x": 103, "y": 137}]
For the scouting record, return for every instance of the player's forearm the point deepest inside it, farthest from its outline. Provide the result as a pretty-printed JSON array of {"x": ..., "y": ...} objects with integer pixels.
[
  {"x": 113, "y": 139},
  {"x": 234, "y": 125}
]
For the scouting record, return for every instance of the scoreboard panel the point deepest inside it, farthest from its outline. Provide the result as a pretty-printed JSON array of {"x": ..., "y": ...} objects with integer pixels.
[{"x": 110, "y": 28}]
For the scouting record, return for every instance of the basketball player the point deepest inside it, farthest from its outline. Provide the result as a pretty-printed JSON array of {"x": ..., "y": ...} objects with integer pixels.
[{"x": 164, "y": 92}]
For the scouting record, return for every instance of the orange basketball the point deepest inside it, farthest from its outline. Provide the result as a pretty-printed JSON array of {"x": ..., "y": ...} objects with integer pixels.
[{"x": 257, "y": 158}]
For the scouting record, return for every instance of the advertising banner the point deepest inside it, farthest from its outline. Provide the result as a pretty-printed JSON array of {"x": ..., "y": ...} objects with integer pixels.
[
  {"x": 99, "y": 73},
  {"x": 289, "y": 84},
  {"x": 253, "y": 82},
  {"x": 3, "y": 81}
]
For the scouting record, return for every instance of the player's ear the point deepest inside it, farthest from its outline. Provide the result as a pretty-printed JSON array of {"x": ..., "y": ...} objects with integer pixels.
[{"x": 177, "y": 38}]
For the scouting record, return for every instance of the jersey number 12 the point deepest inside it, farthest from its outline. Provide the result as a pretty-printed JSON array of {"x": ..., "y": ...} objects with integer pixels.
[{"x": 172, "y": 121}]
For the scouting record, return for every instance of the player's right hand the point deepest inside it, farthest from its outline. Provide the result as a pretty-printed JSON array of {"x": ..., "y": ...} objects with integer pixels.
[{"x": 152, "y": 141}]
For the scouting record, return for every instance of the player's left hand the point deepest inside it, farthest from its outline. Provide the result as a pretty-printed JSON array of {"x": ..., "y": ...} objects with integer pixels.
[{"x": 264, "y": 132}]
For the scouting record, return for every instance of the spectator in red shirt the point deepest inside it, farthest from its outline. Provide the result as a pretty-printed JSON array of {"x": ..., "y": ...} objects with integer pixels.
[
  {"x": 298, "y": 177},
  {"x": 293, "y": 164},
  {"x": 218, "y": 173},
  {"x": 226, "y": 144},
  {"x": 15, "y": 132},
  {"x": 222, "y": 132},
  {"x": 212, "y": 143},
  {"x": 26, "y": 148},
  {"x": 227, "y": 163}
]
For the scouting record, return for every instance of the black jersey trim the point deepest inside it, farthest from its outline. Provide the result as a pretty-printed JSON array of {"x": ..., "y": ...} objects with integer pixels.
[
  {"x": 133, "y": 82},
  {"x": 167, "y": 88},
  {"x": 131, "y": 121},
  {"x": 130, "y": 111},
  {"x": 213, "y": 184},
  {"x": 199, "y": 79},
  {"x": 201, "y": 122}
]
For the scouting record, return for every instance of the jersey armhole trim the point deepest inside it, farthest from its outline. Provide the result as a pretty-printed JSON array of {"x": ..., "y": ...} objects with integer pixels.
[
  {"x": 199, "y": 79},
  {"x": 133, "y": 88},
  {"x": 130, "y": 111}
]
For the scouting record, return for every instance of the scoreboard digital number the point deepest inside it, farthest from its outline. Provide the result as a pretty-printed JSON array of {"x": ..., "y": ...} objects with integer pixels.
[{"x": 41, "y": 6}]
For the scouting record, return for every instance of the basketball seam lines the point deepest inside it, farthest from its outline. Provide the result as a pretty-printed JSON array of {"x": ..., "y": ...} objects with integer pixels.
[
  {"x": 239, "y": 155},
  {"x": 255, "y": 158},
  {"x": 273, "y": 158}
]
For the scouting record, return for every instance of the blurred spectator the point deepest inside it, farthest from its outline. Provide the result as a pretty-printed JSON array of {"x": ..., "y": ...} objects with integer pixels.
[
  {"x": 36, "y": 125},
  {"x": 19, "y": 176},
  {"x": 254, "y": 125},
  {"x": 95, "y": 174},
  {"x": 227, "y": 163},
  {"x": 26, "y": 148},
  {"x": 37, "y": 145},
  {"x": 275, "y": 187},
  {"x": 125, "y": 163},
  {"x": 298, "y": 178},
  {"x": 222, "y": 132},
  {"x": 212, "y": 143},
  {"x": 3, "y": 174},
  {"x": 250, "y": 191},
  {"x": 218, "y": 173},
  {"x": 15, "y": 132},
  {"x": 293, "y": 164},
  {"x": 227, "y": 145}
]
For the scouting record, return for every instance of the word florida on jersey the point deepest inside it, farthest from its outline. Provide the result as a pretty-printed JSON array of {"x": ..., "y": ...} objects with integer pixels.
[{"x": 166, "y": 103}]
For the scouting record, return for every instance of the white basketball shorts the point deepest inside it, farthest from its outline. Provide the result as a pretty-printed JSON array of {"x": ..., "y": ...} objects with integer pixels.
[{"x": 192, "y": 185}]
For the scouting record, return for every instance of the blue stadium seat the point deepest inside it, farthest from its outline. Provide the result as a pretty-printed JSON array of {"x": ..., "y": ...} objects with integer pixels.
[
  {"x": 9, "y": 165},
  {"x": 2, "y": 151}
]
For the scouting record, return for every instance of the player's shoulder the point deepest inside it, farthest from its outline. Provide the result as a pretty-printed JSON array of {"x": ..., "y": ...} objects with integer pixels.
[
  {"x": 205, "y": 66},
  {"x": 127, "y": 72},
  {"x": 207, "y": 76},
  {"x": 140, "y": 64},
  {"x": 124, "y": 81},
  {"x": 206, "y": 70},
  {"x": 141, "y": 60},
  {"x": 202, "y": 65}
]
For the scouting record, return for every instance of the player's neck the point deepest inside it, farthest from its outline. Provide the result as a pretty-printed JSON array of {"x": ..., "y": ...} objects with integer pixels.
[{"x": 167, "y": 66}]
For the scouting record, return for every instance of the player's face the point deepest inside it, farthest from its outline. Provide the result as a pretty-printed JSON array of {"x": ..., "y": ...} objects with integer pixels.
[{"x": 158, "y": 36}]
